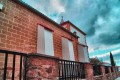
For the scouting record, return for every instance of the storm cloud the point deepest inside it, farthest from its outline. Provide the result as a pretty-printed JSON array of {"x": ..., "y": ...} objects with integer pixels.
[
  {"x": 109, "y": 38},
  {"x": 99, "y": 19}
]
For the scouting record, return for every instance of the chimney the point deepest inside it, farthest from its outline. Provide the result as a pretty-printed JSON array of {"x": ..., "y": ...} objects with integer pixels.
[{"x": 62, "y": 20}]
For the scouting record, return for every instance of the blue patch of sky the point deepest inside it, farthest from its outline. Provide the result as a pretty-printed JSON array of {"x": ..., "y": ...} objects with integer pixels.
[{"x": 98, "y": 52}]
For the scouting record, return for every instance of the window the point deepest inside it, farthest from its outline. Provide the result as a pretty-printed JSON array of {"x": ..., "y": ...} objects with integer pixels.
[
  {"x": 67, "y": 49},
  {"x": 78, "y": 33},
  {"x": 45, "y": 41},
  {"x": 49, "y": 43},
  {"x": 71, "y": 51},
  {"x": 82, "y": 53},
  {"x": 86, "y": 54}
]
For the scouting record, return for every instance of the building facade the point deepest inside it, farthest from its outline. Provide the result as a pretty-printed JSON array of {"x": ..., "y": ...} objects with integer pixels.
[
  {"x": 82, "y": 44},
  {"x": 24, "y": 29}
]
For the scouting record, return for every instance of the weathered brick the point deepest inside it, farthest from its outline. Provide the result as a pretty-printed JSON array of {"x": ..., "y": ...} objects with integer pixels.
[
  {"x": 1, "y": 64},
  {"x": 3, "y": 27},
  {"x": 3, "y": 36},
  {"x": 11, "y": 38},
  {"x": 2, "y": 44},
  {"x": 9, "y": 17},
  {"x": 2, "y": 15},
  {"x": 6, "y": 32},
  {"x": 3, "y": 20},
  {"x": 4, "y": 41},
  {"x": 12, "y": 30},
  {"x": 0, "y": 22},
  {"x": 15, "y": 35},
  {"x": 2, "y": 58},
  {"x": 12, "y": 23}
]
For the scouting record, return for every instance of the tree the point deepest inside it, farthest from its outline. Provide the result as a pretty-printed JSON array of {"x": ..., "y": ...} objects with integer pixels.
[
  {"x": 112, "y": 59},
  {"x": 95, "y": 61}
]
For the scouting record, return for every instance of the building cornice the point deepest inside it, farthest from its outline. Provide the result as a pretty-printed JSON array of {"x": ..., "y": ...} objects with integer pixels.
[{"x": 82, "y": 45}]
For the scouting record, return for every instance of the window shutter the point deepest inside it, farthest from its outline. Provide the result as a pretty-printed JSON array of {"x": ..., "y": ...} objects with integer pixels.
[
  {"x": 40, "y": 40},
  {"x": 81, "y": 53},
  {"x": 71, "y": 50},
  {"x": 49, "y": 48},
  {"x": 45, "y": 41},
  {"x": 86, "y": 54},
  {"x": 67, "y": 49}
]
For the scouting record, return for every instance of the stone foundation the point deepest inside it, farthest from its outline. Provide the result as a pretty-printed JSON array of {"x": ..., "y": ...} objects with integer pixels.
[
  {"x": 98, "y": 77},
  {"x": 89, "y": 71},
  {"x": 41, "y": 67}
]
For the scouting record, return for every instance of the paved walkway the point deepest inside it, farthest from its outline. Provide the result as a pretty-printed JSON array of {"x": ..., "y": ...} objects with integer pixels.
[{"x": 118, "y": 78}]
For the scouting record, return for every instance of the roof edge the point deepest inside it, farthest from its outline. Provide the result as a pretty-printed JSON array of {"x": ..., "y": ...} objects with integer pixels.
[
  {"x": 42, "y": 15},
  {"x": 82, "y": 45}
]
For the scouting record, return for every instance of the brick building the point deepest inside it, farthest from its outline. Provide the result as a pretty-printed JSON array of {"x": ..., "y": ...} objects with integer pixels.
[
  {"x": 82, "y": 45},
  {"x": 24, "y": 29}
]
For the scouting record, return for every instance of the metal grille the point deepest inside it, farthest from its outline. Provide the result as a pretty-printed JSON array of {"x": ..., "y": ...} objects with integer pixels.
[
  {"x": 10, "y": 59},
  {"x": 111, "y": 69},
  {"x": 71, "y": 70},
  {"x": 97, "y": 70},
  {"x": 106, "y": 69}
]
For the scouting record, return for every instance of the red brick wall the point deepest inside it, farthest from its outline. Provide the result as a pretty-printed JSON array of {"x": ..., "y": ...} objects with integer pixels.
[
  {"x": 67, "y": 26},
  {"x": 18, "y": 30}
]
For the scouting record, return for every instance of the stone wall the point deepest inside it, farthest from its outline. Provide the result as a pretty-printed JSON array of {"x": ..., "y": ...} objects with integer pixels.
[
  {"x": 89, "y": 71},
  {"x": 110, "y": 76},
  {"x": 98, "y": 77},
  {"x": 41, "y": 67}
]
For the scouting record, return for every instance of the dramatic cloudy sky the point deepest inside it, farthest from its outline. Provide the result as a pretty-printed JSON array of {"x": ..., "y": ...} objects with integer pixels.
[{"x": 99, "y": 19}]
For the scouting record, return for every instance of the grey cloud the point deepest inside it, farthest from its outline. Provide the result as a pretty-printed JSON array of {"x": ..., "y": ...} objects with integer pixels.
[
  {"x": 91, "y": 31},
  {"x": 112, "y": 34},
  {"x": 109, "y": 39},
  {"x": 85, "y": 16},
  {"x": 104, "y": 8}
]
